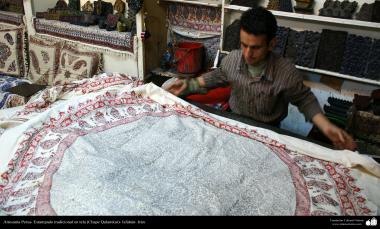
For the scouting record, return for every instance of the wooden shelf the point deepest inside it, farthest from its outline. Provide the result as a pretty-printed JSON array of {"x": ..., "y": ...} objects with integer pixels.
[
  {"x": 203, "y": 3},
  {"x": 316, "y": 18}
]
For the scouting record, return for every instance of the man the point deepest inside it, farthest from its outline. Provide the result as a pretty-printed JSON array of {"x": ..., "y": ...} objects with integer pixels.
[{"x": 263, "y": 83}]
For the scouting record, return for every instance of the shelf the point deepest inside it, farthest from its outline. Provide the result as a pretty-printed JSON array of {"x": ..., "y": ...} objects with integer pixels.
[
  {"x": 336, "y": 74},
  {"x": 308, "y": 17},
  {"x": 203, "y": 3},
  {"x": 330, "y": 73}
]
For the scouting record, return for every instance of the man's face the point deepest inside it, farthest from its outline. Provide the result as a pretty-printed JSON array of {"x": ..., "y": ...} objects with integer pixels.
[{"x": 255, "y": 48}]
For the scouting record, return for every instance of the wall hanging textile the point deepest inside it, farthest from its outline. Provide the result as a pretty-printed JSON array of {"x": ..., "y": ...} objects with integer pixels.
[{"x": 201, "y": 18}]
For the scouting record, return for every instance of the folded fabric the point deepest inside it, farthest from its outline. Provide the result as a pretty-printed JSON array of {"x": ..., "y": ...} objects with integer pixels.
[
  {"x": 26, "y": 90},
  {"x": 7, "y": 82},
  {"x": 8, "y": 100}
]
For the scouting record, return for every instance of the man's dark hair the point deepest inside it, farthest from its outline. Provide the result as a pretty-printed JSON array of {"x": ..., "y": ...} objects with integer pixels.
[{"x": 259, "y": 21}]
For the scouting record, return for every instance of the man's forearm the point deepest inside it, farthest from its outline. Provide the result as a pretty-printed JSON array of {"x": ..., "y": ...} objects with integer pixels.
[{"x": 321, "y": 121}]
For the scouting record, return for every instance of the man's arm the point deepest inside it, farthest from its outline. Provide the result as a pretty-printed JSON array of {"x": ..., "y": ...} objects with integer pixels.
[
  {"x": 179, "y": 86},
  {"x": 339, "y": 137},
  {"x": 208, "y": 80},
  {"x": 301, "y": 96}
]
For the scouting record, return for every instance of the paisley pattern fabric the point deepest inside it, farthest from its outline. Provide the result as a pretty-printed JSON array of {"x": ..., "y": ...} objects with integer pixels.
[
  {"x": 11, "y": 51},
  {"x": 123, "y": 151},
  {"x": 75, "y": 64},
  {"x": 201, "y": 18},
  {"x": 44, "y": 57},
  {"x": 8, "y": 100}
]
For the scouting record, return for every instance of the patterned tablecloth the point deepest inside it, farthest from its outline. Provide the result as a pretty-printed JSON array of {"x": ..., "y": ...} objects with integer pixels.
[{"x": 113, "y": 146}]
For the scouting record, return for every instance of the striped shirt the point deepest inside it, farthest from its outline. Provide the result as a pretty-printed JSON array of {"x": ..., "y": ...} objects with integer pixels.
[{"x": 265, "y": 98}]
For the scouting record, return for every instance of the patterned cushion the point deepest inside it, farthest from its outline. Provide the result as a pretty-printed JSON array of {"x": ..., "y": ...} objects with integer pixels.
[
  {"x": 11, "y": 52},
  {"x": 75, "y": 64},
  {"x": 44, "y": 59}
]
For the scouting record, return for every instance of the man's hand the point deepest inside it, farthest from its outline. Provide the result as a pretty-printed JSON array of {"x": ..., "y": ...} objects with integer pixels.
[
  {"x": 177, "y": 87},
  {"x": 339, "y": 137}
]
